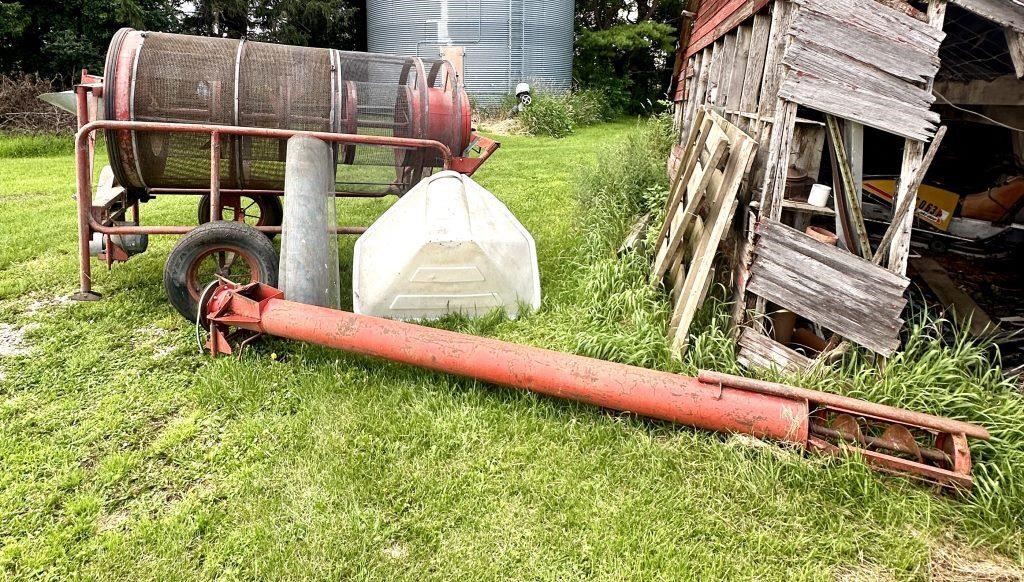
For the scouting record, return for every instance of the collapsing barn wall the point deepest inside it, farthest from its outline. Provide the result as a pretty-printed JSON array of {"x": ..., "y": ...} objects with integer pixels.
[{"x": 853, "y": 62}]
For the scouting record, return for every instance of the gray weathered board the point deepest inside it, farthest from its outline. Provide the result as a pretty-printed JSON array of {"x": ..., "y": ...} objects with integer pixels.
[
  {"x": 863, "y": 61},
  {"x": 761, "y": 351},
  {"x": 1004, "y": 12},
  {"x": 699, "y": 210},
  {"x": 850, "y": 296}
]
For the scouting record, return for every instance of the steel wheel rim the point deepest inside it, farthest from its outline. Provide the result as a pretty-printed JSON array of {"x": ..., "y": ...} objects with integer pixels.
[{"x": 227, "y": 258}]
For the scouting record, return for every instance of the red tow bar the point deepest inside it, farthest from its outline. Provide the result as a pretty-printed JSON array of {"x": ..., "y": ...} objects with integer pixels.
[{"x": 890, "y": 439}]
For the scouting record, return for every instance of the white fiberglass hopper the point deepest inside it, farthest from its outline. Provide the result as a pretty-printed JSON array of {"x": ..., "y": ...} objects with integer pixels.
[{"x": 447, "y": 246}]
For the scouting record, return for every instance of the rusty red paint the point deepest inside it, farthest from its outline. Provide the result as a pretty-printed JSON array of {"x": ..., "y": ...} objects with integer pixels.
[
  {"x": 716, "y": 402},
  {"x": 716, "y": 18},
  {"x": 645, "y": 392}
]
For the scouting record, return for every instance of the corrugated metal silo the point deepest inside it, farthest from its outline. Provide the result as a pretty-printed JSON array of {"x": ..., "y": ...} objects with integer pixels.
[{"x": 505, "y": 41}]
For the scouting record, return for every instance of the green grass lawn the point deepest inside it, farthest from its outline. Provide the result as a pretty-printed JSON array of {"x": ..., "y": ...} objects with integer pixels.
[{"x": 124, "y": 453}]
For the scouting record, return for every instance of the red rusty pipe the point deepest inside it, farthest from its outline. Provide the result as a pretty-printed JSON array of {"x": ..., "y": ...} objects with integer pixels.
[
  {"x": 250, "y": 192},
  {"x": 650, "y": 393},
  {"x": 272, "y": 133},
  {"x": 83, "y": 199},
  {"x": 717, "y": 402},
  {"x": 179, "y": 230}
]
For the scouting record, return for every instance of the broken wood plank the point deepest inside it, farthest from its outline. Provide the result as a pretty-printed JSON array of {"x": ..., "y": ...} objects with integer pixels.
[
  {"x": 832, "y": 256},
  {"x": 760, "y": 351},
  {"x": 958, "y": 303},
  {"x": 827, "y": 285},
  {"x": 868, "y": 16},
  {"x": 774, "y": 186},
  {"x": 634, "y": 239},
  {"x": 899, "y": 213},
  {"x": 853, "y": 214},
  {"x": 905, "y": 8},
  {"x": 893, "y": 43},
  {"x": 913, "y": 155},
  {"x": 861, "y": 105},
  {"x": 862, "y": 61},
  {"x": 821, "y": 61},
  {"x": 1015, "y": 43},
  {"x": 1002, "y": 12}
]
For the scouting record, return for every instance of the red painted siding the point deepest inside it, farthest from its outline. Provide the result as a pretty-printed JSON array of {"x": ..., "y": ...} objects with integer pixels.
[{"x": 717, "y": 17}]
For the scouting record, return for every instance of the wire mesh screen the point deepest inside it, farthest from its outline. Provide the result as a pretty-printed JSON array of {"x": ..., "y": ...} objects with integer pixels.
[
  {"x": 974, "y": 48},
  {"x": 187, "y": 79},
  {"x": 280, "y": 87},
  {"x": 182, "y": 79}
]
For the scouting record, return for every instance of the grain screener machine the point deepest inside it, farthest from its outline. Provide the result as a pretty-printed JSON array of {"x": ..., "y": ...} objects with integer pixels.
[{"x": 210, "y": 117}]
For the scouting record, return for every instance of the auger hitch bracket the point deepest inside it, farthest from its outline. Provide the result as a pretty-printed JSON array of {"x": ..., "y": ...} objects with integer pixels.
[{"x": 892, "y": 440}]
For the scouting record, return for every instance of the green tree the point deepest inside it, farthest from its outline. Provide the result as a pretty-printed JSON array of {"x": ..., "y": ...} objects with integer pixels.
[
  {"x": 334, "y": 24},
  {"x": 230, "y": 18},
  {"x": 323, "y": 23},
  {"x": 56, "y": 38},
  {"x": 625, "y": 49}
]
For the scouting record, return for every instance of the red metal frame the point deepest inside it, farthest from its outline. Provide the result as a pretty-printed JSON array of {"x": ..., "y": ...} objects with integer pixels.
[
  {"x": 711, "y": 401},
  {"x": 91, "y": 221}
]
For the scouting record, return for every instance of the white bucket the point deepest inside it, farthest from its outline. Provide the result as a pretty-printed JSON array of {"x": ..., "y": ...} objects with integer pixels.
[{"x": 819, "y": 195}]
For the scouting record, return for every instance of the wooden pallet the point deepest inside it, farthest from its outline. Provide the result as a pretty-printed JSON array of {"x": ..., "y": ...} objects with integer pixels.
[{"x": 716, "y": 159}]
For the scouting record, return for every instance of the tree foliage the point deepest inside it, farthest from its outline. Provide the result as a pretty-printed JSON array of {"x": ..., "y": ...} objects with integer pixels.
[
  {"x": 624, "y": 48},
  {"x": 56, "y": 38}
]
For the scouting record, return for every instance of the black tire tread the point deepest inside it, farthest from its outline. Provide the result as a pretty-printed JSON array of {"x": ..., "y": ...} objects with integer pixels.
[{"x": 212, "y": 235}]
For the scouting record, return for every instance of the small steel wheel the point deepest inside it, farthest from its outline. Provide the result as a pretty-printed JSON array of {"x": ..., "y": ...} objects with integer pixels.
[
  {"x": 233, "y": 250},
  {"x": 254, "y": 210}
]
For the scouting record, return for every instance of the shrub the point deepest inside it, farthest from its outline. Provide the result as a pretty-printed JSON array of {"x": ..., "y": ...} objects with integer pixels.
[
  {"x": 21, "y": 111},
  {"x": 547, "y": 115},
  {"x": 558, "y": 115}
]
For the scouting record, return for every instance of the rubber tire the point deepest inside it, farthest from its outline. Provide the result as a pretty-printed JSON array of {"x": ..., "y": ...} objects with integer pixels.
[
  {"x": 271, "y": 210},
  {"x": 209, "y": 236}
]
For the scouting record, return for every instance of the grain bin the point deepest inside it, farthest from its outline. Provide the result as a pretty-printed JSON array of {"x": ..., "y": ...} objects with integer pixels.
[{"x": 505, "y": 42}]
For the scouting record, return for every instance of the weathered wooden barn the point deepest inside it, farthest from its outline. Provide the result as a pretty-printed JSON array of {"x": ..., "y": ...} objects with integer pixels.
[{"x": 851, "y": 90}]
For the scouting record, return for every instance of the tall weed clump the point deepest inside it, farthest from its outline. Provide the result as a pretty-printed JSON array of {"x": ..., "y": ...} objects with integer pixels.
[
  {"x": 613, "y": 313},
  {"x": 629, "y": 180},
  {"x": 558, "y": 115}
]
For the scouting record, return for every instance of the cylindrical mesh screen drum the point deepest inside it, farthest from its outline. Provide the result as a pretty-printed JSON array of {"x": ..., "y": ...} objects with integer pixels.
[{"x": 188, "y": 79}]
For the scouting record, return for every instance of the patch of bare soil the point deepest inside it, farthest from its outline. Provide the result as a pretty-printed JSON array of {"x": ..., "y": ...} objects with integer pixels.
[
  {"x": 865, "y": 573},
  {"x": 396, "y": 551},
  {"x": 45, "y": 303},
  {"x": 503, "y": 126},
  {"x": 956, "y": 562},
  {"x": 12, "y": 340}
]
